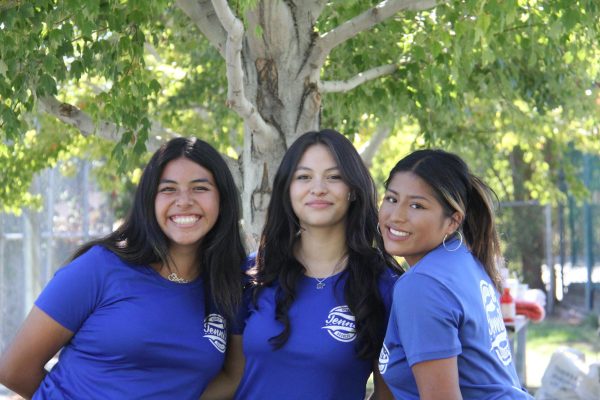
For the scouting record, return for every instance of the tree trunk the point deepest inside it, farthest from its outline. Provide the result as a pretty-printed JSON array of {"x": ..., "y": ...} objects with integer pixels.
[
  {"x": 528, "y": 224},
  {"x": 285, "y": 93}
]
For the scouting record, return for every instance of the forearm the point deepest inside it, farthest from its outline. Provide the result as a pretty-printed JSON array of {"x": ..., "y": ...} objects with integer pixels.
[
  {"x": 224, "y": 385},
  {"x": 221, "y": 388},
  {"x": 22, "y": 382}
]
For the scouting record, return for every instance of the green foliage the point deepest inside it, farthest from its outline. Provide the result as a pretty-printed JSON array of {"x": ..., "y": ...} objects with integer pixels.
[
  {"x": 46, "y": 43},
  {"x": 26, "y": 156},
  {"x": 476, "y": 77},
  {"x": 481, "y": 78}
]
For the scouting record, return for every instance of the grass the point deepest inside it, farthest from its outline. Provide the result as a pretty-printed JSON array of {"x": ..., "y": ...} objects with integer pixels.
[{"x": 567, "y": 328}]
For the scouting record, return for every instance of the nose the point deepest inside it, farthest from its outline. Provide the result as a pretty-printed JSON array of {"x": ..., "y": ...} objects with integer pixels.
[
  {"x": 319, "y": 188},
  {"x": 183, "y": 199},
  {"x": 398, "y": 213}
]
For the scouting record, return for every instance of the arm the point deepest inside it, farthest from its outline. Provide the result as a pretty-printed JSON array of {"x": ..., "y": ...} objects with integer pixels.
[
  {"x": 437, "y": 379},
  {"x": 380, "y": 388},
  {"x": 223, "y": 386},
  {"x": 38, "y": 340}
]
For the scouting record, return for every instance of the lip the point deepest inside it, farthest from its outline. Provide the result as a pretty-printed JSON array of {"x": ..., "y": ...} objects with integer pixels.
[
  {"x": 319, "y": 203},
  {"x": 395, "y": 234},
  {"x": 184, "y": 220}
]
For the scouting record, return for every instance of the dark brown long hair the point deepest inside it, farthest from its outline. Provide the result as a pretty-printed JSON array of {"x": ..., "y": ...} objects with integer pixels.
[{"x": 275, "y": 261}]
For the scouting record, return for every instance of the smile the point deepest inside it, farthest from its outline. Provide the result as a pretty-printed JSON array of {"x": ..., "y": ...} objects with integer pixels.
[
  {"x": 185, "y": 219},
  {"x": 396, "y": 233},
  {"x": 319, "y": 204}
]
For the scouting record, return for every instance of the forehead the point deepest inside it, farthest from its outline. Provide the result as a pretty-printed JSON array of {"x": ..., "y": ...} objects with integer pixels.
[
  {"x": 183, "y": 169},
  {"x": 409, "y": 184},
  {"x": 317, "y": 154}
]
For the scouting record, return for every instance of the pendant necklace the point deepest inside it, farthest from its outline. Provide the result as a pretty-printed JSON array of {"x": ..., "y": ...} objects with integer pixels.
[
  {"x": 173, "y": 277},
  {"x": 321, "y": 281}
]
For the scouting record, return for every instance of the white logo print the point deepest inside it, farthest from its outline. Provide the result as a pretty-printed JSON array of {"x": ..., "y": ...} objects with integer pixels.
[
  {"x": 340, "y": 324},
  {"x": 215, "y": 331},
  {"x": 497, "y": 331},
  {"x": 384, "y": 359}
]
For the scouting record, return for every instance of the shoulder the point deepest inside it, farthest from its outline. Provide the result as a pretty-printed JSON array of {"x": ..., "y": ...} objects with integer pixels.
[{"x": 95, "y": 256}]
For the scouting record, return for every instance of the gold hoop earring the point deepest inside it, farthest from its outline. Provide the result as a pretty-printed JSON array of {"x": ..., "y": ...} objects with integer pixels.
[{"x": 459, "y": 243}]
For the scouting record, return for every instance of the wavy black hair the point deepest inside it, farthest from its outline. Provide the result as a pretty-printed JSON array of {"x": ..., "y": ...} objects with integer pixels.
[
  {"x": 275, "y": 260},
  {"x": 141, "y": 241},
  {"x": 458, "y": 190}
]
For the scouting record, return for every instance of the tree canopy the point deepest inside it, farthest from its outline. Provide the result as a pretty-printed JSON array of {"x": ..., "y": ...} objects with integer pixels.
[{"x": 482, "y": 77}]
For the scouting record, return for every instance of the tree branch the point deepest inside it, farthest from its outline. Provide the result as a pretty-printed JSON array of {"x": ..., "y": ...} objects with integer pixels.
[
  {"x": 359, "y": 79},
  {"x": 382, "y": 11},
  {"x": 202, "y": 13},
  {"x": 236, "y": 98},
  {"x": 382, "y": 131},
  {"x": 71, "y": 115},
  {"x": 152, "y": 50}
]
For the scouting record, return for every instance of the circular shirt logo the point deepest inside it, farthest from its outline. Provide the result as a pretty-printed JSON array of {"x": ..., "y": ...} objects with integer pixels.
[
  {"x": 340, "y": 324},
  {"x": 215, "y": 331},
  {"x": 384, "y": 359}
]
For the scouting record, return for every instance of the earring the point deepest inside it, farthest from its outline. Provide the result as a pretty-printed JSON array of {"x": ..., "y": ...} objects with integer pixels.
[
  {"x": 378, "y": 229},
  {"x": 459, "y": 244},
  {"x": 351, "y": 196}
]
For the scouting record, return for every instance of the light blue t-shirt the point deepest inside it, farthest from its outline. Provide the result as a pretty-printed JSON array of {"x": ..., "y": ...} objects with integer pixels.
[
  {"x": 447, "y": 306},
  {"x": 136, "y": 334},
  {"x": 319, "y": 360}
]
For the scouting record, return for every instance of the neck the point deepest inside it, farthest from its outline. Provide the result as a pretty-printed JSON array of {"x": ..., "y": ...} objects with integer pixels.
[
  {"x": 322, "y": 255},
  {"x": 184, "y": 263}
]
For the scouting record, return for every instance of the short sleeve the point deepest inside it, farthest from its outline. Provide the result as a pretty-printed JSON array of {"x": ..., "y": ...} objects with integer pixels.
[
  {"x": 428, "y": 317},
  {"x": 75, "y": 290}
]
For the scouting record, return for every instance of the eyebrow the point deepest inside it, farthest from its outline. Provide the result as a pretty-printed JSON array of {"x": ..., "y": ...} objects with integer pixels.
[
  {"x": 411, "y": 197},
  {"x": 199, "y": 180},
  {"x": 310, "y": 169}
]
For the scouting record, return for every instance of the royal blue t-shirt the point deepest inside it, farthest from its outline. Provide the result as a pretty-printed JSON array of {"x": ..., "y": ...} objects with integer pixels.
[
  {"x": 318, "y": 361},
  {"x": 136, "y": 334},
  {"x": 447, "y": 306}
]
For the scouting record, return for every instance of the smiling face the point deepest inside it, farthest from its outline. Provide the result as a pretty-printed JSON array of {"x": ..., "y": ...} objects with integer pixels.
[
  {"x": 318, "y": 194},
  {"x": 411, "y": 219},
  {"x": 186, "y": 204}
]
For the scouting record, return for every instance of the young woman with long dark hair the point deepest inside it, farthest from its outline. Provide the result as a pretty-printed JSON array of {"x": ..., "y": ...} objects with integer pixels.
[
  {"x": 147, "y": 311},
  {"x": 322, "y": 290},
  {"x": 446, "y": 337}
]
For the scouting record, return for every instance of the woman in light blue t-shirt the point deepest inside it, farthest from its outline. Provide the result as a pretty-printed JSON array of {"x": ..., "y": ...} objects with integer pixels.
[
  {"x": 148, "y": 311},
  {"x": 446, "y": 338}
]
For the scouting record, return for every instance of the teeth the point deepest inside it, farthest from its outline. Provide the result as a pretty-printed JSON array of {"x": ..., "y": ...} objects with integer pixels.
[
  {"x": 398, "y": 233},
  {"x": 185, "y": 220}
]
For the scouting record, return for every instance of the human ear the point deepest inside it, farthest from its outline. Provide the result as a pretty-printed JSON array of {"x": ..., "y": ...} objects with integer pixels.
[{"x": 456, "y": 220}]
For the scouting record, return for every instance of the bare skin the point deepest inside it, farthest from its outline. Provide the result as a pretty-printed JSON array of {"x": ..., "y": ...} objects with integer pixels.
[
  {"x": 438, "y": 379},
  {"x": 39, "y": 339},
  {"x": 224, "y": 385}
]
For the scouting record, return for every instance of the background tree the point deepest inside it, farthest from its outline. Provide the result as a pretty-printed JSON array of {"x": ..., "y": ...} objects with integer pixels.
[{"x": 249, "y": 76}]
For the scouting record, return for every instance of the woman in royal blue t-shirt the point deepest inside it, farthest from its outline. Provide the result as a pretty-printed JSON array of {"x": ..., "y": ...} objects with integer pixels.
[
  {"x": 148, "y": 311},
  {"x": 446, "y": 338},
  {"x": 321, "y": 290}
]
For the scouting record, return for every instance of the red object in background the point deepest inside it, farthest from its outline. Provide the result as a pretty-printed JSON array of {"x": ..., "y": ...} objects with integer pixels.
[
  {"x": 531, "y": 310},
  {"x": 507, "y": 304}
]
